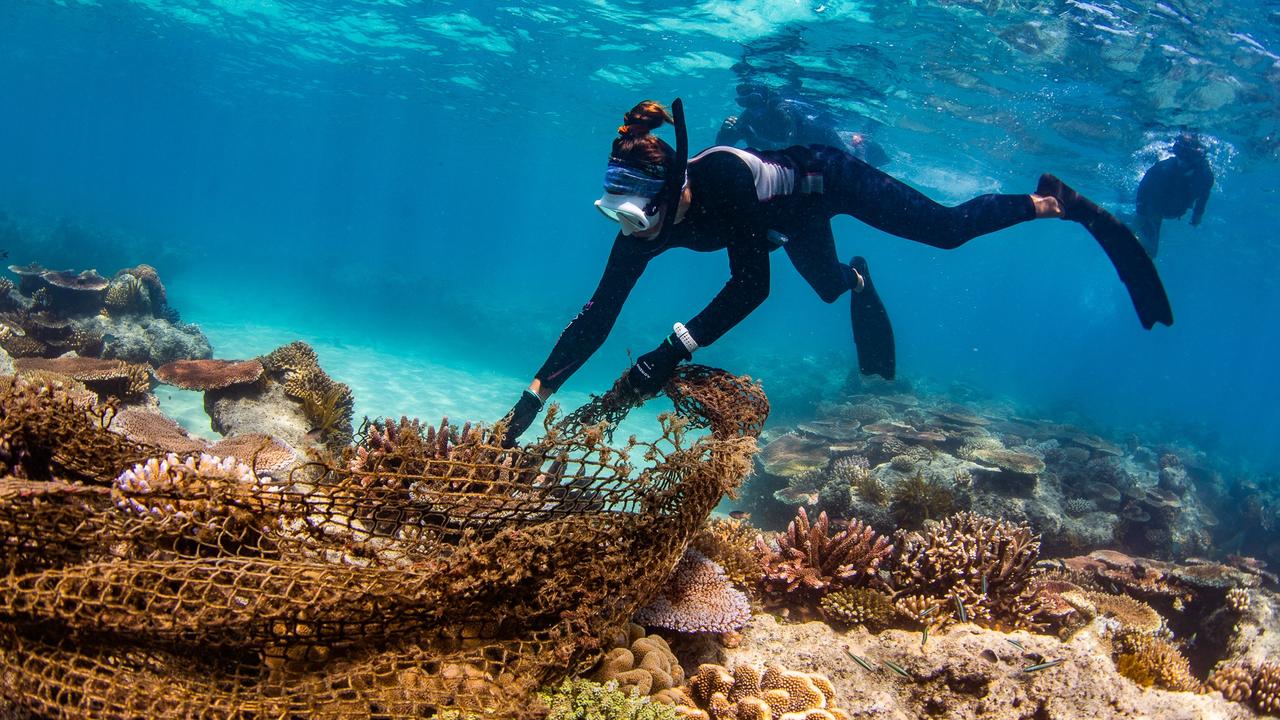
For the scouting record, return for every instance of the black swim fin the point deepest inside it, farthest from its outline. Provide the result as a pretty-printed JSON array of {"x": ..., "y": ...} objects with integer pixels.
[
  {"x": 1130, "y": 259},
  {"x": 871, "y": 329}
]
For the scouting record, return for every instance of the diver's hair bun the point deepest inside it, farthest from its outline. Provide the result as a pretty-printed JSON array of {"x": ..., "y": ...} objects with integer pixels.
[{"x": 643, "y": 118}]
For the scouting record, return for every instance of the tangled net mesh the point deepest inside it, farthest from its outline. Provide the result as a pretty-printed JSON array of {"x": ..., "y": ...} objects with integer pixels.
[{"x": 424, "y": 570}]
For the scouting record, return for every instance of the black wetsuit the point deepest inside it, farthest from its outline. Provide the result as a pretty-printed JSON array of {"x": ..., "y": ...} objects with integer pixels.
[
  {"x": 736, "y": 205},
  {"x": 1168, "y": 190}
]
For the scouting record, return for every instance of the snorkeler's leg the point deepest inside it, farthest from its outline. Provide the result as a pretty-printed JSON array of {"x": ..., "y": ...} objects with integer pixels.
[
  {"x": 1148, "y": 229},
  {"x": 1122, "y": 247},
  {"x": 872, "y": 331},
  {"x": 853, "y": 187},
  {"x": 812, "y": 249}
]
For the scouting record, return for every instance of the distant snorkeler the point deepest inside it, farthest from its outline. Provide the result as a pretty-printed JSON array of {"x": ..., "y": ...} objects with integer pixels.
[
  {"x": 1170, "y": 187},
  {"x": 770, "y": 121},
  {"x": 751, "y": 202}
]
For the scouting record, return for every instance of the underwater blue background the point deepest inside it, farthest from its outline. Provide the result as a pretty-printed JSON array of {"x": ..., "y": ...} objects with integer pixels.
[{"x": 408, "y": 186}]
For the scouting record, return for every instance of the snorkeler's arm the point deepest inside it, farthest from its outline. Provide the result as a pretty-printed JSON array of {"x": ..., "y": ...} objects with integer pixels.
[
  {"x": 730, "y": 132},
  {"x": 748, "y": 286},
  {"x": 1206, "y": 184},
  {"x": 588, "y": 330},
  {"x": 728, "y": 191}
]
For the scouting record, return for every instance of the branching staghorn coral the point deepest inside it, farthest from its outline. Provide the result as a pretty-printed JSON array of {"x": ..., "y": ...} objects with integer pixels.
[
  {"x": 810, "y": 561},
  {"x": 979, "y": 568}
]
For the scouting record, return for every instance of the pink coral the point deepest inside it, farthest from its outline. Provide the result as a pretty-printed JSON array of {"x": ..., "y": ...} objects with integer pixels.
[{"x": 698, "y": 598}]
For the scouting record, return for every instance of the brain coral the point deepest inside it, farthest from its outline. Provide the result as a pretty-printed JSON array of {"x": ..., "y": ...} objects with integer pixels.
[
  {"x": 643, "y": 662},
  {"x": 745, "y": 694},
  {"x": 697, "y": 598}
]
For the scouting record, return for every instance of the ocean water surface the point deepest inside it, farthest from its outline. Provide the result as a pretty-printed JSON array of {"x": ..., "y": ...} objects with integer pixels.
[{"x": 408, "y": 187}]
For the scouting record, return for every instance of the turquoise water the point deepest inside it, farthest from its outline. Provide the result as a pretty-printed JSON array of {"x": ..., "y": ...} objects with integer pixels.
[{"x": 407, "y": 186}]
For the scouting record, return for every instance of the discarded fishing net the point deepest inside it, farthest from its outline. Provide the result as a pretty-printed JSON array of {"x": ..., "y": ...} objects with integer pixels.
[{"x": 427, "y": 569}]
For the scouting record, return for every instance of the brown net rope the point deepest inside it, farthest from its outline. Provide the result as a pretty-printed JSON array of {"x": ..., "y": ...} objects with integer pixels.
[{"x": 426, "y": 569}]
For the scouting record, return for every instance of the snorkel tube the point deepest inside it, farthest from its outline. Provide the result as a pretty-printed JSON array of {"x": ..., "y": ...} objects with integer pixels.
[{"x": 669, "y": 197}]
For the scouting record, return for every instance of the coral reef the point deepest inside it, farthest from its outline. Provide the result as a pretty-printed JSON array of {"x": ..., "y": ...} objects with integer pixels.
[
  {"x": 588, "y": 700},
  {"x": 107, "y": 378},
  {"x": 858, "y": 606},
  {"x": 643, "y": 664},
  {"x": 209, "y": 374},
  {"x": 745, "y": 694},
  {"x": 730, "y": 542},
  {"x": 1131, "y": 614},
  {"x": 264, "y": 454},
  {"x": 696, "y": 599},
  {"x": 125, "y": 318},
  {"x": 965, "y": 673},
  {"x": 981, "y": 567},
  {"x": 916, "y": 500},
  {"x": 327, "y": 403},
  {"x": 154, "y": 429},
  {"x": 1148, "y": 660},
  {"x": 809, "y": 560}
]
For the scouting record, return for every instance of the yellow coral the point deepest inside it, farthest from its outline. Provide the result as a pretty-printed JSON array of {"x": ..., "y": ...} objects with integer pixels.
[
  {"x": 1148, "y": 660},
  {"x": 645, "y": 664},
  {"x": 745, "y": 694},
  {"x": 858, "y": 606},
  {"x": 1234, "y": 682},
  {"x": 731, "y": 543}
]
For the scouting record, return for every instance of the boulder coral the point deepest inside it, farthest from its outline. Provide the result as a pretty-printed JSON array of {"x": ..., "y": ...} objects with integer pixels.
[
  {"x": 643, "y": 664},
  {"x": 717, "y": 693}
]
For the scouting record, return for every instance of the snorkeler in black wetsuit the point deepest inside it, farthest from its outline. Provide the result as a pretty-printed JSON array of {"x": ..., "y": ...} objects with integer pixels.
[
  {"x": 1170, "y": 187},
  {"x": 751, "y": 202},
  {"x": 770, "y": 121}
]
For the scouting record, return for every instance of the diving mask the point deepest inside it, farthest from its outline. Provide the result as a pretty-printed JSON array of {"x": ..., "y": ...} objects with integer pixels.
[
  {"x": 629, "y": 194},
  {"x": 629, "y": 212}
]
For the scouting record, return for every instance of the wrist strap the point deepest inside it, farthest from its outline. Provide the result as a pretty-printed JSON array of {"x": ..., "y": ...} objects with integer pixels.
[
  {"x": 534, "y": 396},
  {"x": 682, "y": 334}
]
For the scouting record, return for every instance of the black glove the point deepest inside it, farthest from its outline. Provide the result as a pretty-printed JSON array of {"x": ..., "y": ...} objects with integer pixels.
[
  {"x": 521, "y": 417},
  {"x": 655, "y": 367}
]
